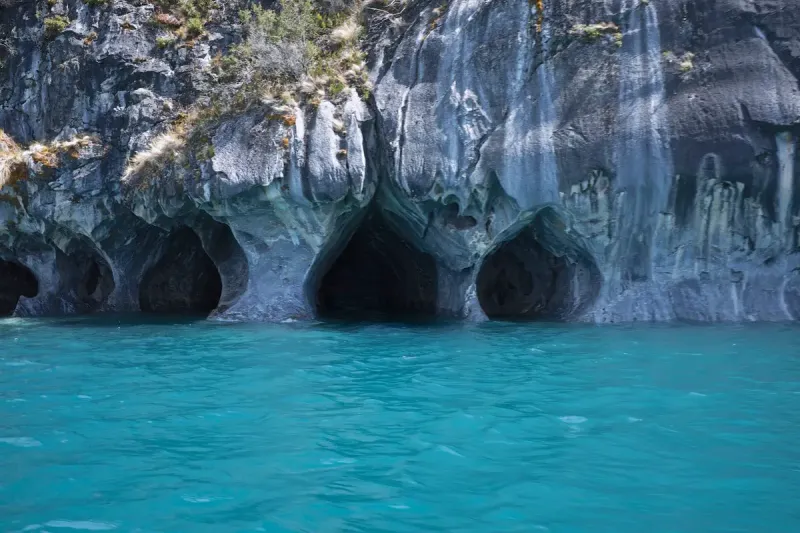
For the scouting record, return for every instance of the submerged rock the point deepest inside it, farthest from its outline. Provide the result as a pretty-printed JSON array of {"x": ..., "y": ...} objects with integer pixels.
[{"x": 587, "y": 161}]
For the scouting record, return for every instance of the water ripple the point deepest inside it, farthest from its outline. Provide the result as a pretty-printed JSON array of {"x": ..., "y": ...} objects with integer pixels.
[{"x": 231, "y": 428}]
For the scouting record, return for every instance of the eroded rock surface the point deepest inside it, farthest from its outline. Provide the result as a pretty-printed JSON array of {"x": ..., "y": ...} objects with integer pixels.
[{"x": 592, "y": 160}]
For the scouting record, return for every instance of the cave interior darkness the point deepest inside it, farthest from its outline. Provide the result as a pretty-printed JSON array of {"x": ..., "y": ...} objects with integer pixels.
[
  {"x": 378, "y": 276},
  {"x": 16, "y": 280},
  {"x": 87, "y": 275},
  {"x": 183, "y": 281},
  {"x": 523, "y": 280}
]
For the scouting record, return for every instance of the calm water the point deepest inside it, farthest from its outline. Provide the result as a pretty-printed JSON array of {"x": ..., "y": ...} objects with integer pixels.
[{"x": 198, "y": 427}]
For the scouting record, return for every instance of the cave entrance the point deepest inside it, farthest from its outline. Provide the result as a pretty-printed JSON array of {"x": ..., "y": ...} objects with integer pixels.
[
  {"x": 379, "y": 276},
  {"x": 184, "y": 281},
  {"x": 87, "y": 276},
  {"x": 523, "y": 279},
  {"x": 15, "y": 281}
]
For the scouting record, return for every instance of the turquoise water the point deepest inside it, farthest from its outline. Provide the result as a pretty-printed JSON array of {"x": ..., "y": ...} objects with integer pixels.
[{"x": 202, "y": 427}]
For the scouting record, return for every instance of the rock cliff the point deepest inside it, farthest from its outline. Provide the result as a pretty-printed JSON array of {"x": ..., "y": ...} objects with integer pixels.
[{"x": 582, "y": 160}]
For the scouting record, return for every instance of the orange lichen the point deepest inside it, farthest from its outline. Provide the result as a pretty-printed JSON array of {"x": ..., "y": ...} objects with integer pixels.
[
  {"x": 539, "y": 15},
  {"x": 289, "y": 120},
  {"x": 285, "y": 142}
]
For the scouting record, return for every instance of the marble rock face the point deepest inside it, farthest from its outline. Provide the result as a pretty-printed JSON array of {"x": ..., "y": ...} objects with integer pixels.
[{"x": 590, "y": 160}]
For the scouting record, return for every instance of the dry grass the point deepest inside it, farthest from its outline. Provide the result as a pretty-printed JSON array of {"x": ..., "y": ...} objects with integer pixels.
[
  {"x": 10, "y": 161},
  {"x": 17, "y": 164},
  {"x": 346, "y": 33},
  {"x": 7, "y": 144},
  {"x": 162, "y": 151},
  {"x": 168, "y": 19}
]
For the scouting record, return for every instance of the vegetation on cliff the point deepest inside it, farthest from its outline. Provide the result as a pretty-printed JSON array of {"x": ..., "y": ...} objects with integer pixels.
[
  {"x": 37, "y": 161},
  {"x": 297, "y": 53}
]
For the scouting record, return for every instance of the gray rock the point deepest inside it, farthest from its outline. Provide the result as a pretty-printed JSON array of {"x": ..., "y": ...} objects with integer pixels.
[{"x": 644, "y": 168}]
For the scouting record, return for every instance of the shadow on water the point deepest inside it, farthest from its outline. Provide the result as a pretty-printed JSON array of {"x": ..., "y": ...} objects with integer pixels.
[
  {"x": 110, "y": 320},
  {"x": 392, "y": 320},
  {"x": 389, "y": 323}
]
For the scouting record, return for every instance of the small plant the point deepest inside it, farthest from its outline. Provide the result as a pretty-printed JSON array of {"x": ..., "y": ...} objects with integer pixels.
[
  {"x": 187, "y": 17},
  {"x": 165, "y": 41},
  {"x": 205, "y": 152},
  {"x": 53, "y": 26},
  {"x": 162, "y": 151},
  {"x": 95, "y": 3},
  {"x": 336, "y": 88},
  {"x": 346, "y": 33},
  {"x": 592, "y": 32},
  {"x": 194, "y": 27},
  {"x": 686, "y": 62}
]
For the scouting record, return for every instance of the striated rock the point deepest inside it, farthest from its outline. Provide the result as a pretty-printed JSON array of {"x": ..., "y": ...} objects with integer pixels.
[
  {"x": 589, "y": 160},
  {"x": 666, "y": 173}
]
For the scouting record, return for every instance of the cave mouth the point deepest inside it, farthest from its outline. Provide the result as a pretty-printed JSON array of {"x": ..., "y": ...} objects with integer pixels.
[
  {"x": 378, "y": 277},
  {"x": 88, "y": 276},
  {"x": 523, "y": 279},
  {"x": 183, "y": 281},
  {"x": 16, "y": 281}
]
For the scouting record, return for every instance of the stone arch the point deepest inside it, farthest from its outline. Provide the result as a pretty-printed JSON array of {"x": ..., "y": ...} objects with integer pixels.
[{"x": 537, "y": 272}]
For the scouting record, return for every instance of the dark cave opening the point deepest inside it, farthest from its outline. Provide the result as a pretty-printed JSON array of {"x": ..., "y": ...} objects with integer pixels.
[
  {"x": 87, "y": 275},
  {"x": 16, "y": 280},
  {"x": 230, "y": 260},
  {"x": 183, "y": 281},
  {"x": 523, "y": 279},
  {"x": 379, "y": 276}
]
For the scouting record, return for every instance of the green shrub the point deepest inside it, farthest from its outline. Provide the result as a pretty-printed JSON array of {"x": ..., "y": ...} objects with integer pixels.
[
  {"x": 592, "y": 32},
  {"x": 53, "y": 26},
  {"x": 336, "y": 88},
  {"x": 165, "y": 41},
  {"x": 195, "y": 27}
]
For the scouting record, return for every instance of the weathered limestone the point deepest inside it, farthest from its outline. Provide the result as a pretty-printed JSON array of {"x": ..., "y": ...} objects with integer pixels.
[{"x": 593, "y": 161}]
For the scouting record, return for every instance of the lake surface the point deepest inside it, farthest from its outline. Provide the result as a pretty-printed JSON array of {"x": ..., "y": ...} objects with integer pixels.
[{"x": 204, "y": 427}]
